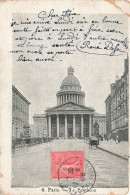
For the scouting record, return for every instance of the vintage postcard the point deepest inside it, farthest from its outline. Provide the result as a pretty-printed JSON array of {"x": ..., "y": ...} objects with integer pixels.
[{"x": 64, "y": 111}]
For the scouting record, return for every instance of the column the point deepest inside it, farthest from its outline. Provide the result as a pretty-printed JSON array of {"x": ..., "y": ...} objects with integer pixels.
[
  {"x": 77, "y": 99},
  {"x": 66, "y": 133},
  {"x": 63, "y": 99},
  {"x": 66, "y": 97},
  {"x": 82, "y": 133},
  {"x": 49, "y": 126},
  {"x": 57, "y": 100},
  {"x": 60, "y": 99},
  {"x": 57, "y": 125},
  {"x": 90, "y": 125},
  {"x": 73, "y": 125}
]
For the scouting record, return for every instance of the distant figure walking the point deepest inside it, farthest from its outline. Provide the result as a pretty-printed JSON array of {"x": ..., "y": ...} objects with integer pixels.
[{"x": 117, "y": 139}]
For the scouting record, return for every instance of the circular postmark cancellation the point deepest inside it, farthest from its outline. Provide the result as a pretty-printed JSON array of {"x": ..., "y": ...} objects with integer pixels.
[{"x": 76, "y": 175}]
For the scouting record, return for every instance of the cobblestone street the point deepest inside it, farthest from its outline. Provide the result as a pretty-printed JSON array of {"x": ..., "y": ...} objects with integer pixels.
[{"x": 31, "y": 166}]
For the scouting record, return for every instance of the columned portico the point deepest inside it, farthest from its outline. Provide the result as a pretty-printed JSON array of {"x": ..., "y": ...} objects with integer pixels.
[{"x": 71, "y": 125}]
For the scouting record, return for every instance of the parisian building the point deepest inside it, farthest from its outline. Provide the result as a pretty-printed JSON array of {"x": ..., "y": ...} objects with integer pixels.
[
  {"x": 108, "y": 116},
  {"x": 70, "y": 118},
  {"x": 20, "y": 114},
  {"x": 117, "y": 106},
  {"x": 40, "y": 126},
  {"x": 101, "y": 120}
]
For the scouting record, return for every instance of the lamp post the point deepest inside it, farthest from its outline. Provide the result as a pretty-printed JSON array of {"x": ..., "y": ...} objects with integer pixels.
[{"x": 13, "y": 135}]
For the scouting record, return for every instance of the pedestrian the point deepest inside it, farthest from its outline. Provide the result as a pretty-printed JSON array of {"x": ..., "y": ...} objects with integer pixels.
[{"x": 117, "y": 139}]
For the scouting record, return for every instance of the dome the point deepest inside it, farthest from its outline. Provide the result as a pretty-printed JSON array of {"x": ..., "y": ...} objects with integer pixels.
[
  {"x": 70, "y": 81},
  {"x": 70, "y": 90}
]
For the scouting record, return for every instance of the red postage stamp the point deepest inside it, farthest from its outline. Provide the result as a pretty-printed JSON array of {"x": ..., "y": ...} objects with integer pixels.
[{"x": 70, "y": 164}]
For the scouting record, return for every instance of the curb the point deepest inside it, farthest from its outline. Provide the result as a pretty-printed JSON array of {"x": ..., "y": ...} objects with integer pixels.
[{"x": 113, "y": 153}]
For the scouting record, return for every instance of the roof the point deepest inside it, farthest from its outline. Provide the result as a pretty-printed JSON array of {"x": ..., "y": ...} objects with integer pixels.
[
  {"x": 70, "y": 106},
  {"x": 39, "y": 116},
  {"x": 98, "y": 114},
  {"x": 70, "y": 79},
  {"x": 20, "y": 94},
  {"x": 108, "y": 98}
]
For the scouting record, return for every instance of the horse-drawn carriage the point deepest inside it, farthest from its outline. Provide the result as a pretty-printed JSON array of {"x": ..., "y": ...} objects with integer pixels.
[{"x": 93, "y": 141}]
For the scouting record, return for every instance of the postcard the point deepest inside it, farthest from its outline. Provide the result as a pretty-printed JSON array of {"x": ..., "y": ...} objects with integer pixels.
[{"x": 64, "y": 111}]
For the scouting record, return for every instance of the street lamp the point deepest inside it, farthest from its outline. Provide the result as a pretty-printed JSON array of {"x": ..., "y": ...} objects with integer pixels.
[{"x": 13, "y": 133}]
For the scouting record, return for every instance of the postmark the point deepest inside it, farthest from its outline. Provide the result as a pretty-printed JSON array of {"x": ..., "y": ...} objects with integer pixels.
[{"x": 80, "y": 175}]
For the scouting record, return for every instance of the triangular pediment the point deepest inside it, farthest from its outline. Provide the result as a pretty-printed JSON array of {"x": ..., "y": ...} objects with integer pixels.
[{"x": 71, "y": 106}]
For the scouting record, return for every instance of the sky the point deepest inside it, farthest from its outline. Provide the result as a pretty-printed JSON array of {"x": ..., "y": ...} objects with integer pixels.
[{"x": 40, "y": 83}]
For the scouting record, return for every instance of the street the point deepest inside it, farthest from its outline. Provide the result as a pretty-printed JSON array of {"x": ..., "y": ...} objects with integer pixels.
[{"x": 31, "y": 166}]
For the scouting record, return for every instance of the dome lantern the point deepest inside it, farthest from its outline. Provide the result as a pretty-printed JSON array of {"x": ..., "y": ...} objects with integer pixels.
[{"x": 70, "y": 70}]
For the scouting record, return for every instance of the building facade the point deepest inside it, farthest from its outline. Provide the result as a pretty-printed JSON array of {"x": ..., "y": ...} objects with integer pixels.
[
  {"x": 70, "y": 118},
  {"x": 40, "y": 126},
  {"x": 20, "y": 114},
  {"x": 108, "y": 115},
  {"x": 117, "y": 106},
  {"x": 101, "y": 120}
]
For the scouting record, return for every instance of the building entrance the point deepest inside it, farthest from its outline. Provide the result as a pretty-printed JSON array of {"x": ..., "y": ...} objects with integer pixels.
[{"x": 70, "y": 132}]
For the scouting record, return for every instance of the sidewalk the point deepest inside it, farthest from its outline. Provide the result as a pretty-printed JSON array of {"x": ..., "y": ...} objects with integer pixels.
[{"x": 121, "y": 149}]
